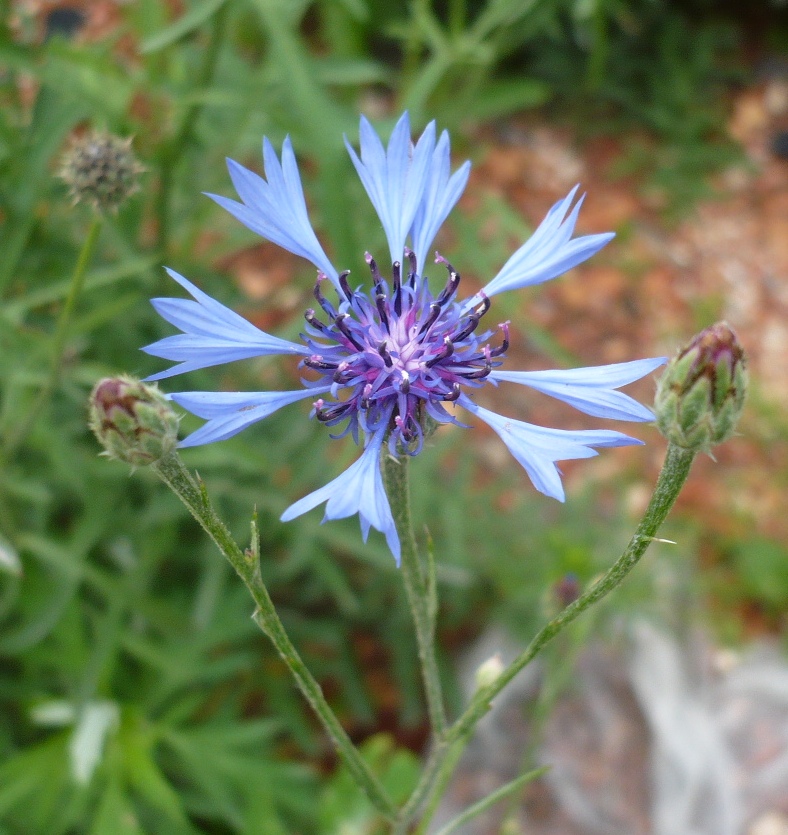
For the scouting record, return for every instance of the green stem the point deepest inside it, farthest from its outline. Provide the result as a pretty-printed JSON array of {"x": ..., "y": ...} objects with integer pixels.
[
  {"x": 457, "y": 15},
  {"x": 247, "y": 564},
  {"x": 15, "y": 438},
  {"x": 418, "y": 585},
  {"x": 430, "y": 776},
  {"x": 485, "y": 803},
  {"x": 443, "y": 774},
  {"x": 671, "y": 479},
  {"x": 172, "y": 151}
]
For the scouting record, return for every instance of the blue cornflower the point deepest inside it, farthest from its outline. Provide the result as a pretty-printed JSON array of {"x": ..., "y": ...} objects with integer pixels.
[{"x": 379, "y": 364}]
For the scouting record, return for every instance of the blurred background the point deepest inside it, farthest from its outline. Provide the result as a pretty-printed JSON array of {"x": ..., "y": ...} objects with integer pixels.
[{"x": 136, "y": 694}]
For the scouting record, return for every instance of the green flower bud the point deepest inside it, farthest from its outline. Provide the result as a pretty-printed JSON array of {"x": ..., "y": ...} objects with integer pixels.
[
  {"x": 101, "y": 170},
  {"x": 134, "y": 422},
  {"x": 489, "y": 670},
  {"x": 701, "y": 394}
]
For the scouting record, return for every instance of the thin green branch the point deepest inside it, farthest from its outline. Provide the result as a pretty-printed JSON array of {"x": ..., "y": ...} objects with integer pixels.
[
  {"x": 419, "y": 585},
  {"x": 17, "y": 436},
  {"x": 247, "y": 564},
  {"x": 485, "y": 803},
  {"x": 671, "y": 479}
]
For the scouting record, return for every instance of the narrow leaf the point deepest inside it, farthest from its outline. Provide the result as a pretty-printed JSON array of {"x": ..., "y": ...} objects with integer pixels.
[
  {"x": 193, "y": 19},
  {"x": 484, "y": 804}
]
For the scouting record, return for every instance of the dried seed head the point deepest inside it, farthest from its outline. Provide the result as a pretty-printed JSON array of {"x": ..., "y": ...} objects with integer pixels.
[{"x": 101, "y": 169}]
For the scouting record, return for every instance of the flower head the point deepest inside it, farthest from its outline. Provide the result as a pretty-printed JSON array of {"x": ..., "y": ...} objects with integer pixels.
[
  {"x": 101, "y": 169},
  {"x": 701, "y": 394},
  {"x": 134, "y": 422},
  {"x": 380, "y": 364}
]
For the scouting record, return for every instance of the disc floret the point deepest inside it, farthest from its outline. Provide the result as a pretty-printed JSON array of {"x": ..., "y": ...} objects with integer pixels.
[{"x": 397, "y": 361}]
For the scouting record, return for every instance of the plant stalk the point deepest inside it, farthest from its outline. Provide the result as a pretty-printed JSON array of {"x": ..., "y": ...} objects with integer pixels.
[
  {"x": 419, "y": 587},
  {"x": 247, "y": 564},
  {"x": 675, "y": 470},
  {"x": 16, "y": 437}
]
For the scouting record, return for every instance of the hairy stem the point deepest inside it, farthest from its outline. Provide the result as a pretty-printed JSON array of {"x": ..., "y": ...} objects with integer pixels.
[
  {"x": 671, "y": 479},
  {"x": 16, "y": 437},
  {"x": 419, "y": 586},
  {"x": 247, "y": 564}
]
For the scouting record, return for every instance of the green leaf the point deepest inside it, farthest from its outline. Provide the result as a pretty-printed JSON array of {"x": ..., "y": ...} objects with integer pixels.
[
  {"x": 502, "y": 98},
  {"x": 115, "y": 814},
  {"x": 135, "y": 743},
  {"x": 763, "y": 567},
  {"x": 96, "y": 279},
  {"x": 339, "y": 71},
  {"x": 193, "y": 19},
  {"x": 356, "y": 9},
  {"x": 342, "y": 805},
  {"x": 488, "y": 801}
]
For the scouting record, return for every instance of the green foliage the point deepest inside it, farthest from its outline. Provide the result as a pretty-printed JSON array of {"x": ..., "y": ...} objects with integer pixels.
[
  {"x": 646, "y": 66},
  {"x": 762, "y": 566},
  {"x": 136, "y": 694},
  {"x": 342, "y": 810}
]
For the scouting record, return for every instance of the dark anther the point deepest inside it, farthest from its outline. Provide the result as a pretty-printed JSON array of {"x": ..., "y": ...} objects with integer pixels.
[
  {"x": 382, "y": 305},
  {"x": 446, "y": 351},
  {"x": 365, "y": 396},
  {"x": 341, "y": 375},
  {"x": 452, "y": 284},
  {"x": 385, "y": 355},
  {"x": 453, "y": 394},
  {"x": 319, "y": 364},
  {"x": 504, "y": 346},
  {"x": 483, "y": 307},
  {"x": 310, "y": 317},
  {"x": 479, "y": 373},
  {"x": 404, "y": 385},
  {"x": 435, "y": 311},
  {"x": 324, "y": 302},
  {"x": 376, "y": 276},
  {"x": 470, "y": 327},
  {"x": 411, "y": 255},
  {"x": 333, "y": 413},
  {"x": 340, "y": 323},
  {"x": 343, "y": 283},
  {"x": 396, "y": 281},
  {"x": 405, "y": 433}
]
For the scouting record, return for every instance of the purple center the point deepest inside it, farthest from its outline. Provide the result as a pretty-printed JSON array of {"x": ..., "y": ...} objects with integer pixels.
[{"x": 399, "y": 359}]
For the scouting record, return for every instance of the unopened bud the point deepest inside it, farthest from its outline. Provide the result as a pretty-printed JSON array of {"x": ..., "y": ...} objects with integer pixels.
[
  {"x": 101, "y": 169},
  {"x": 701, "y": 394},
  {"x": 134, "y": 422},
  {"x": 488, "y": 671}
]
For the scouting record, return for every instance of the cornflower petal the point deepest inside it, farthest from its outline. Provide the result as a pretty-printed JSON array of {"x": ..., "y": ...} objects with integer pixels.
[
  {"x": 394, "y": 178},
  {"x": 591, "y": 390},
  {"x": 441, "y": 193},
  {"x": 358, "y": 490},
  {"x": 378, "y": 362},
  {"x": 230, "y": 412},
  {"x": 212, "y": 334},
  {"x": 550, "y": 251},
  {"x": 537, "y": 448},
  {"x": 276, "y": 209}
]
